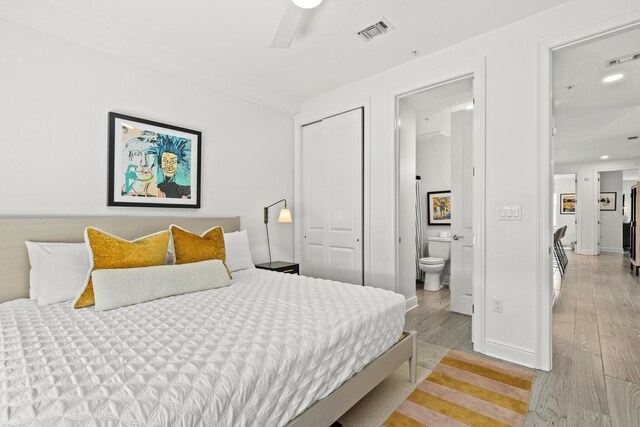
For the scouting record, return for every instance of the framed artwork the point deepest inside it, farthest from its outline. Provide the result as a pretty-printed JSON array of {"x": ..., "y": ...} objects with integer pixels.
[
  {"x": 439, "y": 203},
  {"x": 608, "y": 201},
  {"x": 153, "y": 164},
  {"x": 568, "y": 204}
]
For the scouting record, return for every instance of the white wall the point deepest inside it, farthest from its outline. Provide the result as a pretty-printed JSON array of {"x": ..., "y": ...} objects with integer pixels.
[
  {"x": 611, "y": 221},
  {"x": 565, "y": 185},
  {"x": 587, "y": 209},
  {"x": 511, "y": 165},
  {"x": 53, "y": 115}
]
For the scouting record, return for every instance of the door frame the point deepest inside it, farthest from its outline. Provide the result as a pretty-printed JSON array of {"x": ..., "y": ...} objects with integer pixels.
[
  {"x": 544, "y": 273},
  {"x": 314, "y": 116},
  {"x": 477, "y": 71}
]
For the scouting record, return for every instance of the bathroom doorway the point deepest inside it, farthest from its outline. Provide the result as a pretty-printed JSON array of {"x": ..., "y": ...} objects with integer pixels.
[{"x": 436, "y": 210}]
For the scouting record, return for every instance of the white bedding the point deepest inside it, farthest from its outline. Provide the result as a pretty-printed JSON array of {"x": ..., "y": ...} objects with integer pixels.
[{"x": 256, "y": 353}]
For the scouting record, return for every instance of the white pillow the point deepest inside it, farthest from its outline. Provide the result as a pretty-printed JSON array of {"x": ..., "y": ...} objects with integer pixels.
[
  {"x": 58, "y": 270},
  {"x": 237, "y": 249},
  {"x": 121, "y": 287}
]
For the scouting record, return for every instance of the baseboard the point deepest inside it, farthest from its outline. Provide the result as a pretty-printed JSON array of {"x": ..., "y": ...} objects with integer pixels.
[
  {"x": 412, "y": 303},
  {"x": 585, "y": 252},
  {"x": 510, "y": 353},
  {"x": 612, "y": 250}
]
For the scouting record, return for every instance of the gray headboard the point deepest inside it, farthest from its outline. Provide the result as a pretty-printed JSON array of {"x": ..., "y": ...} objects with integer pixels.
[{"x": 14, "y": 260}]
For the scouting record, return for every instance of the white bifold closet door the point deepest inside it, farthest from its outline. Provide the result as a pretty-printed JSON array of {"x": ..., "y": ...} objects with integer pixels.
[{"x": 332, "y": 190}]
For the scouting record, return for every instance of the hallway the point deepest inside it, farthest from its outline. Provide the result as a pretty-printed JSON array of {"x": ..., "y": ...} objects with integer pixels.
[{"x": 596, "y": 342}]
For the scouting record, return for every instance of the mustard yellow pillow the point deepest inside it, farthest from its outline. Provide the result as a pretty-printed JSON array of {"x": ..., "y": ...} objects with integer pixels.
[
  {"x": 108, "y": 252},
  {"x": 189, "y": 247}
]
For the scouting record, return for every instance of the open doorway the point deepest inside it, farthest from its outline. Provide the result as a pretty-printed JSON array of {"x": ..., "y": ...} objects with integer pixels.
[
  {"x": 596, "y": 116},
  {"x": 435, "y": 149},
  {"x": 592, "y": 128}
]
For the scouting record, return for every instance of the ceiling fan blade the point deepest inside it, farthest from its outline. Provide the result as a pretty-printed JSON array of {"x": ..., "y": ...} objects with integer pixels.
[{"x": 288, "y": 25}]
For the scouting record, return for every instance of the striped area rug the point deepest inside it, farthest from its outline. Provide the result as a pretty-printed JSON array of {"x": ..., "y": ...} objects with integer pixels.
[{"x": 467, "y": 390}]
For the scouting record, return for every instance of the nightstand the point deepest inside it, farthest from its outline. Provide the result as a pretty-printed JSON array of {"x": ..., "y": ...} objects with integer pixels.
[{"x": 281, "y": 266}]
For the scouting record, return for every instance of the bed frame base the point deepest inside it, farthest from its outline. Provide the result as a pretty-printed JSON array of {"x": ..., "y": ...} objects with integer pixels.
[{"x": 326, "y": 411}]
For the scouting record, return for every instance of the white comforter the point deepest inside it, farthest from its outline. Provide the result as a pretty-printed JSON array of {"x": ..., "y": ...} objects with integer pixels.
[{"x": 258, "y": 353}]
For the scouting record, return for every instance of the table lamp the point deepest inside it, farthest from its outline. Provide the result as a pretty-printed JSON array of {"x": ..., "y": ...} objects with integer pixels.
[{"x": 285, "y": 216}]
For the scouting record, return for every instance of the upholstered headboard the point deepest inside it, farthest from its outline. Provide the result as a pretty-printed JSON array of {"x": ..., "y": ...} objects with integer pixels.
[{"x": 14, "y": 260}]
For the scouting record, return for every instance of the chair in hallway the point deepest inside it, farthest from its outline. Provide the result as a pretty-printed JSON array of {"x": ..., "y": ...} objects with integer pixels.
[{"x": 560, "y": 256}]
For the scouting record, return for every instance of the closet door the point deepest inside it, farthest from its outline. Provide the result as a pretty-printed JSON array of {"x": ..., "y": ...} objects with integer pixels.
[{"x": 332, "y": 188}]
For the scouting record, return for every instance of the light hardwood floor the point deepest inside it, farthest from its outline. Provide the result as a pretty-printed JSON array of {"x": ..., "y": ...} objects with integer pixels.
[
  {"x": 596, "y": 341},
  {"x": 436, "y": 324}
]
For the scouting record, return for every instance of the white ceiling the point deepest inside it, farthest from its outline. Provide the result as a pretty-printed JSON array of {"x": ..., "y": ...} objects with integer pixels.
[
  {"x": 225, "y": 43},
  {"x": 593, "y": 118}
]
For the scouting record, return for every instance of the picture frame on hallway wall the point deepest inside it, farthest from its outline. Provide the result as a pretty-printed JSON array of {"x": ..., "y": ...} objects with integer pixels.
[
  {"x": 153, "y": 164},
  {"x": 568, "y": 204},
  {"x": 608, "y": 201},
  {"x": 439, "y": 203}
]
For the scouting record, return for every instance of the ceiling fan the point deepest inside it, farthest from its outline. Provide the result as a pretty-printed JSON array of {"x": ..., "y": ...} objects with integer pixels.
[{"x": 290, "y": 20}]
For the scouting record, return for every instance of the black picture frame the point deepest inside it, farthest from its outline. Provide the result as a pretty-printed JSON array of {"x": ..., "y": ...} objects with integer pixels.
[
  {"x": 430, "y": 196},
  {"x": 605, "y": 201},
  {"x": 194, "y": 137},
  {"x": 563, "y": 210}
]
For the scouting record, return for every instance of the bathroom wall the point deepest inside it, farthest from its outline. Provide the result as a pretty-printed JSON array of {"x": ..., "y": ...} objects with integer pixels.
[{"x": 433, "y": 160}]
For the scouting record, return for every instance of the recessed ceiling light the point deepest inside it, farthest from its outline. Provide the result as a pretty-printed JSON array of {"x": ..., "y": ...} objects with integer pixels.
[
  {"x": 469, "y": 107},
  {"x": 604, "y": 157},
  {"x": 613, "y": 78},
  {"x": 307, "y": 4}
]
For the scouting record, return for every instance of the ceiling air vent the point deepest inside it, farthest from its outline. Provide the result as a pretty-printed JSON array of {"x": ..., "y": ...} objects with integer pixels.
[
  {"x": 623, "y": 59},
  {"x": 376, "y": 29},
  {"x": 632, "y": 138}
]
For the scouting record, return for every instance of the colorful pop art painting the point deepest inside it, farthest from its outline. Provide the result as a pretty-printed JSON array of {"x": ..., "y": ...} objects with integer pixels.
[
  {"x": 439, "y": 207},
  {"x": 153, "y": 164}
]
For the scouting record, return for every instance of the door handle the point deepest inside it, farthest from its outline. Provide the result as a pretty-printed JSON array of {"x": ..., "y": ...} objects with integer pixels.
[{"x": 456, "y": 237}]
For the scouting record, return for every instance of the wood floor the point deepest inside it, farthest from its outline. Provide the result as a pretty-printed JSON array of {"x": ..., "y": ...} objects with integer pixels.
[
  {"x": 596, "y": 341},
  {"x": 436, "y": 324}
]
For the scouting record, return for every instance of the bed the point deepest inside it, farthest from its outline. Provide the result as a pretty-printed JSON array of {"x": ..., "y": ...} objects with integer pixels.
[{"x": 272, "y": 349}]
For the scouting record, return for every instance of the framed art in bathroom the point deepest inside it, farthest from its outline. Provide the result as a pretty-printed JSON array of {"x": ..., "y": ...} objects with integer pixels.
[
  {"x": 568, "y": 204},
  {"x": 152, "y": 164},
  {"x": 439, "y": 203}
]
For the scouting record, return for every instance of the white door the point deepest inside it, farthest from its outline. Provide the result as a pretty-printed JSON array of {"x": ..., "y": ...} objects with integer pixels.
[
  {"x": 407, "y": 199},
  {"x": 462, "y": 237},
  {"x": 332, "y": 190},
  {"x": 598, "y": 228}
]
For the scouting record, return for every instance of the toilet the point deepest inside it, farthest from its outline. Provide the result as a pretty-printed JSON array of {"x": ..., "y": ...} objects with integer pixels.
[{"x": 438, "y": 250}]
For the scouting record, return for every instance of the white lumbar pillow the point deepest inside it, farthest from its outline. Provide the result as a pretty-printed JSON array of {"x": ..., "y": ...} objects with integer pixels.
[
  {"x": 121, "y": 287},
  {"x": 58, "y": 270},
  {"x": 237, "y": 250}
]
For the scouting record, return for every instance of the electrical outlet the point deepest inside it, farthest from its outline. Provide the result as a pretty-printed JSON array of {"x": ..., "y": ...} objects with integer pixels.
[{"x": 498, "y": 305}]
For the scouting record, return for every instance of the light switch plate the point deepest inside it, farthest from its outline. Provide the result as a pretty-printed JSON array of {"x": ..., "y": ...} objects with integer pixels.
[{"x": 510, "y": 213}]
